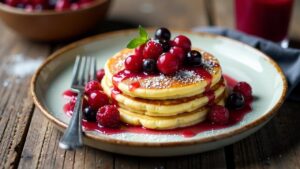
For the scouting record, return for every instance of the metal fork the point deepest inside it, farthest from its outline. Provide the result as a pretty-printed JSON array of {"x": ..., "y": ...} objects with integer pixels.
[{"x": 84, "y": 71}]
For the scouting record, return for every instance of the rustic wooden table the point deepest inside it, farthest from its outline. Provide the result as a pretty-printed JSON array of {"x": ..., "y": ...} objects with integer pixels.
[{"x": 28, "y": 140}]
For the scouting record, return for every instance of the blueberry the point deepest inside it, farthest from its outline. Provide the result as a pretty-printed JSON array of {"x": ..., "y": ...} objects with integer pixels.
[
  {"x": 165, "y": 45},
  {"x": 89, "y": 114},
  {"x": 149, "y": 65},
  {"x": 235, "y": 101},
  {"x": 162, "y": 33},
  {"x": 193, "y": 58}
]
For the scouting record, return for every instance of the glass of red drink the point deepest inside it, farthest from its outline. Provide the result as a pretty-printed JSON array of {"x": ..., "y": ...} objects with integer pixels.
[{"x": 268, "y": 19}]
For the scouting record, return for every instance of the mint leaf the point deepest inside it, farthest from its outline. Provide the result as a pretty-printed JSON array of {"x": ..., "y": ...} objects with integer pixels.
[
  {"x": 143, "y": 32},
  {"x": 135, "y": 43},
  {"x": 143, "y": 38}
]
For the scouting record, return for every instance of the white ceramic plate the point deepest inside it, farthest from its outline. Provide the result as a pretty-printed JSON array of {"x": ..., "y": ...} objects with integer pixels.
[{"x": 237, "y": 60}]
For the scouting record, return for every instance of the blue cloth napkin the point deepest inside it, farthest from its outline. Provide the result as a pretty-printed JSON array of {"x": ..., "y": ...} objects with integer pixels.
[{"x": 288, "y": 59}]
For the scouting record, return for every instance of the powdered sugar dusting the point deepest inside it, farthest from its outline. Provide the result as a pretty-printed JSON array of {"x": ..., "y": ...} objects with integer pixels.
[{"x": 182, "y": 77}]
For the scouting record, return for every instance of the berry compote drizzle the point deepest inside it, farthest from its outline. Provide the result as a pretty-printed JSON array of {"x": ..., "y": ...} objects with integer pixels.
[{"x": 235, "y": 117}]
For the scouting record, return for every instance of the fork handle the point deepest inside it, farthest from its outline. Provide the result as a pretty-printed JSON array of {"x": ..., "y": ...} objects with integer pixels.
[{"x": 72, "y": 137}]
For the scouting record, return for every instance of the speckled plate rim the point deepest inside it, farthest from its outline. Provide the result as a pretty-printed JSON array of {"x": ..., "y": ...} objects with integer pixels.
[{"x": 229, "y": 134}]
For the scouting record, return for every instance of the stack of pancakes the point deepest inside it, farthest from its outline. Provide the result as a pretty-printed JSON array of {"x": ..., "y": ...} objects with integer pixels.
[{"x": 164, "y": 102}]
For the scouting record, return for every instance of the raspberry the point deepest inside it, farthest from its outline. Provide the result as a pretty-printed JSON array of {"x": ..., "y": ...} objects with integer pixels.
[
  {"x": 168, "y": 63},
  {"x": 92, "y": 86},
  {"x": 152, "y": 50},
  {"x": 100, "y": 74},
  {"x": 218, "y": 115},
  {"x": 183, "y": 42},
  {"x": 97, "y": 99},
  {"x": 245, "y": 89},
  {"x": 108, "y": 116},
  {"x": 134, "y": 63}
]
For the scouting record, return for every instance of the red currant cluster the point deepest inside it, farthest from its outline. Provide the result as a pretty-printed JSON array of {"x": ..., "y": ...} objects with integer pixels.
[
  {"x": 162, "y": 54},
  {"x": 240, "y": 97},
  {"x": 39, "y": 5},
  {"x": 96, "y": 105}
]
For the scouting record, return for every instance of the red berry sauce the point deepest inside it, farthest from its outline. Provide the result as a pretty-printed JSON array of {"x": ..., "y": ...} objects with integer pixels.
[{"x": 235, "y": 117}]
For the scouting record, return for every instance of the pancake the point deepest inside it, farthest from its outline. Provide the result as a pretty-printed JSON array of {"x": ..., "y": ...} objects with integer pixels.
[
  {"x": 165, "y": 123},
  {"x": 164, "y": 107},
  {"x": 185, "y": 83}
]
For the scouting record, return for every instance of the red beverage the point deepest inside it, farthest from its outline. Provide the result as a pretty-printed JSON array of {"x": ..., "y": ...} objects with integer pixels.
[{"x": 268, "y": 19}]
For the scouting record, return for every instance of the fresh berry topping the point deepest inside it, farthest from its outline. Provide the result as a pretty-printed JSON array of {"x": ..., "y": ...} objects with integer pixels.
[
  {"x": 89, "y": 114},
  {"x": 183, "y": 42},
  {"x": 235, "y": 101},
  {"x": 92, "y": 86},
  {"x": 100, "y": 74},
  {"x": 62, "y": 5},
  {"x": 244, "y": 88},
  {"x": 139, "y": 50},
  {"x": 218, "y": 115},
  {"x": 165, "y": 45},
  {"x": 108, "y": 116},
  {"x": 193, "y": 58},
  {"x": 179, "y": 52},
  {"x": 168, "y": 63},
  {"x": 152, "y": 50},
  {"x": 134, "y": 63},
  {"x": 97, "y": 99},
  {"x": 162, "y": 33},
  {"x": 149, "y": 65}
]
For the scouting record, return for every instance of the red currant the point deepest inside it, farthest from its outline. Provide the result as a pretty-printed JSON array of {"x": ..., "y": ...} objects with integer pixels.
[
  {"x": 168, "y": 63},
  {"x": 134, "y": 63},
  {"x": 97, "y": 99},
  {"x": 152, "y": 50},
  {"x": 179, "y": 52},
  {"x": 139, "y": 50},
  {"x": 100, "y": 74},
  {"x": 183, "y": 42}
]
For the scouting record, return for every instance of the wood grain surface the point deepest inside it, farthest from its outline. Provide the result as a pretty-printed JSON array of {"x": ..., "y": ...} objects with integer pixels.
[{"x": 28, "y": 140}]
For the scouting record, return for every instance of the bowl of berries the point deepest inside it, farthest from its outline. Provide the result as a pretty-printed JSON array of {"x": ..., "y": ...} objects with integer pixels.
[{"x": 52, "y": 20}]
